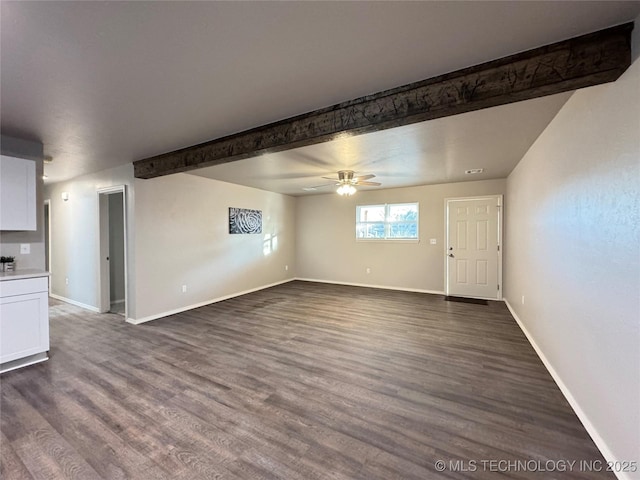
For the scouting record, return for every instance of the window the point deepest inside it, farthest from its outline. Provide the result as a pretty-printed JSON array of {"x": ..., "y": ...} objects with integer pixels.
[{"x": 395, "y": 221}]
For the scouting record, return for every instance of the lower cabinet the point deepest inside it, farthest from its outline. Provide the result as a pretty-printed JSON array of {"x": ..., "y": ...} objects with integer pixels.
[{"x": 24, "y": 319}]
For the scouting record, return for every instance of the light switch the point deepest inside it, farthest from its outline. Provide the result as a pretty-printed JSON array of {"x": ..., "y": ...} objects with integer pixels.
[
  {"x": 25, "y": 248},
  {"x": 432, "y": 241}
]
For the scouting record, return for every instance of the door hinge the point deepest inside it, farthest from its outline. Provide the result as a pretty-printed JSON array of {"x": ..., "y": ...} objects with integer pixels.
[
  {"x": 498, "y": 247},
  {"x": 498, "y": 286}
]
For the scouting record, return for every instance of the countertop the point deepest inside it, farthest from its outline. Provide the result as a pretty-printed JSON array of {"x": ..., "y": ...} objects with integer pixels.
[{"x": 20, "y": 274}]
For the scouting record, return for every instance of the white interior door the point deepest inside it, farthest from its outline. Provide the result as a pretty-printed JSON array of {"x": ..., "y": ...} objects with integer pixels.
[{"x": 474, "y": 257}]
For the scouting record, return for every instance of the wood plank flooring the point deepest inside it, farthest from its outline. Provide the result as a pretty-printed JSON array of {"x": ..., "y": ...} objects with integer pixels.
[{"x": 300, "y": 381}]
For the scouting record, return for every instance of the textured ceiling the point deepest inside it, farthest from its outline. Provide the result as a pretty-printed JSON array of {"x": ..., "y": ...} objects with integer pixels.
[
  {"x": 106, "y": 83},
  {"x": 437, "y": 151}
]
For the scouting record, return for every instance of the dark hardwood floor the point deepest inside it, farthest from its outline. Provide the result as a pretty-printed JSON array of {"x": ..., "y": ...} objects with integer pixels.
[{"x": 300, "y": 381}]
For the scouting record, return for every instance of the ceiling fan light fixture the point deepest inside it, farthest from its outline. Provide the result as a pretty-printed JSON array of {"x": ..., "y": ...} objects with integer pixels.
[{"x": 346, "y": 190}]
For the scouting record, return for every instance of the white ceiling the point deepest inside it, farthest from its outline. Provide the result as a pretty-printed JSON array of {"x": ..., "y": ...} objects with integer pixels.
[{"x": 106, "y": 83}]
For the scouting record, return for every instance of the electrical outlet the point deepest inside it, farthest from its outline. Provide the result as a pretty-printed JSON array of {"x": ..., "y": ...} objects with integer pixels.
[
  {"x": 25, "y": 248},
  {"x": 66, "y": 280},
  {"x": 523, "y": 299},
  {"x": 368, "y": 270},
  {"x": 184, "y": 289},
  {"x": 286, "y": 267},
  {"x": 433, "y": 241}
]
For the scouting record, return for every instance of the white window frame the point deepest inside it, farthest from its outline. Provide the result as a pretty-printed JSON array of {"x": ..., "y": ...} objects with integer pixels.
[{"x": 387, "y": 223}]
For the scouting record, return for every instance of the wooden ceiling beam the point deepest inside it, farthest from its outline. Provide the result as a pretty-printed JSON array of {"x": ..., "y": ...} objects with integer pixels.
[{"x": 580, "y": 62}]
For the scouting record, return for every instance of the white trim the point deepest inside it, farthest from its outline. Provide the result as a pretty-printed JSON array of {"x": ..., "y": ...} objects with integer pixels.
[
  {"x": 473, "y": 197},
  {"x": 112, "y": 189},
  {"x": 74, "y": 302},
  {"x": 138, "y": 321},
  {"x": 24, "y": 362},
  {"x": 366, "y": 285},
  {"x": 388, "y": 240},
  {"x": 582, "y": 416},
  {"x": 47, "y": 204},
  {"x": 117, "y": 301}
]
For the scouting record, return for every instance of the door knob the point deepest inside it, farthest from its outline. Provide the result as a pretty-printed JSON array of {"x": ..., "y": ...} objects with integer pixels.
[{"x": 451, "y": 255}]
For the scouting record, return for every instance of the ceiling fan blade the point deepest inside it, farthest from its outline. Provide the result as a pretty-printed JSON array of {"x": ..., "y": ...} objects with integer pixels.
[
  {"x": 370, "y": 184},
  {"x": 323, "y": 185},
  {"x": 331, "y": 178},
  {"x": 364, "y": 177}
]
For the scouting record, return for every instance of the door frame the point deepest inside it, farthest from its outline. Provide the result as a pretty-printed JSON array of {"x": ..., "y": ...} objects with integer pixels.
[
  {"x": 47, "y": 206},
  {"x": 104, "y": 297},
  {"x": 450, "y": 201}
]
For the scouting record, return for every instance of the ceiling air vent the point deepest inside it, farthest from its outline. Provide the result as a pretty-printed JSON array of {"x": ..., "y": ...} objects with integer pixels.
[{"x": 473, "y": 171}]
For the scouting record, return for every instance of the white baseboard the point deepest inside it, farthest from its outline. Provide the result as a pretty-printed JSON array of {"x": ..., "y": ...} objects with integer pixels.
[
  {"x": 74, "y": 302},
  {"x": 23, "y": 362},
  {"x": 383, "y": 287},
  {"x": 138, "y": 321},
  {"x": 113, "y": 302},
  {"x": 582, "y": 416}
]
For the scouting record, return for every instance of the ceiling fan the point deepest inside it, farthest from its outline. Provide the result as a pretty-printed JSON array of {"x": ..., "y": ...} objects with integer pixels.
[{"x": 346, "y": 182}]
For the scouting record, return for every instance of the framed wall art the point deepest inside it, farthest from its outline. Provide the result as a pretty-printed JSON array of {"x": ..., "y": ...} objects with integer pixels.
[{"x": 245, "y": 221}]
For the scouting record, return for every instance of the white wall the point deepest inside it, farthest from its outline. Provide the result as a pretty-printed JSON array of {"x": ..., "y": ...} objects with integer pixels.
[
  {"x": 75, "y": 235},
  {"x": 10, "y": 241},
  {"x": 573, "y": 250},
  {"x": 327, "y": 249},
  {"x": 182, "y": 238}
]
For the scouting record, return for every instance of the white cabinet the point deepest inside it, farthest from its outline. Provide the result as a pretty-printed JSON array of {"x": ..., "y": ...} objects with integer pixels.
[
  {"x": 24, "y": 321},
  {"x": 17, "y": 194}
]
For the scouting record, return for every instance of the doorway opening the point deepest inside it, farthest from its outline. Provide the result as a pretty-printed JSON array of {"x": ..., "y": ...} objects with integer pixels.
[
  {"x": 473, "y": 259},
  {"x": 113, "y": 250}
]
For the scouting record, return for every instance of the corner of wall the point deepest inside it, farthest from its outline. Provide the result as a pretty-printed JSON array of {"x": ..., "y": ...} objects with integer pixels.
[
  {"x": 184, "y": 219},
  {"x": 635, "y": 40},
  {"x": 75, "y": 236},
  {"x": 568, "y": 207}
]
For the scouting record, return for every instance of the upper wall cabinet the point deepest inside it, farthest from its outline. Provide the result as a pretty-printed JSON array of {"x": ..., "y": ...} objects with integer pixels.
[{"x": 17, "y": 194}]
